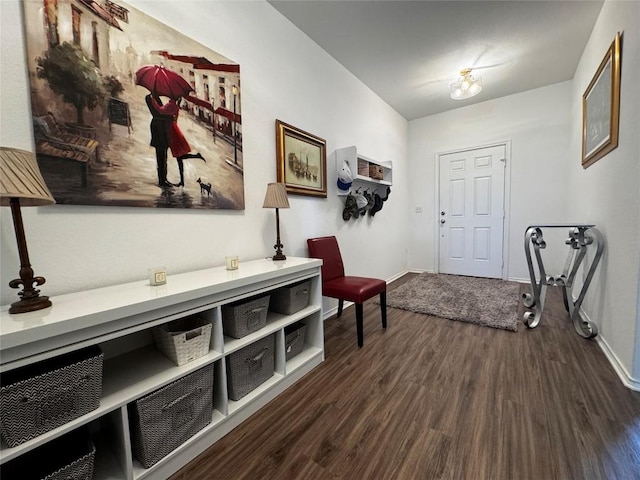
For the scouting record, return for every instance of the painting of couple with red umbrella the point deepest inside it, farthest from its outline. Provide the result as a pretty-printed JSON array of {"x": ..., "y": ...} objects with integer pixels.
[{"x": 128, "y": 112}]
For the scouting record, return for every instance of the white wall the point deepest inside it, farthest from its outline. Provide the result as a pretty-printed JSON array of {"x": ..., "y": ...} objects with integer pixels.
[
  {"x": 285, "y": 76},
  {"x": 608, "y": 192},
  {"x": 537, "y": 125}
]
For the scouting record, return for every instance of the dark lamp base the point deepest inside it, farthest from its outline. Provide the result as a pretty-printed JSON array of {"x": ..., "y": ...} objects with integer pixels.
[
  {"x": 30, "y": 305},
  {"x": 279, "y": 256}
]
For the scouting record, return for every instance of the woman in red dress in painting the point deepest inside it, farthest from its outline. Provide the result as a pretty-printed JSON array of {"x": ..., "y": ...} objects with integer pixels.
[{"x": 178, "y": 145}]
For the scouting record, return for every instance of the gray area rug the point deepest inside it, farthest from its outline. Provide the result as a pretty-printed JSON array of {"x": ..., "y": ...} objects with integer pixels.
[{"x": 482, "y": 301}]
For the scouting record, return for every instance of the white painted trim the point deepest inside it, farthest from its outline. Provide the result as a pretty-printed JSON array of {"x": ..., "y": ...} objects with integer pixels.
[
  {"x": 436, "y": 213},
  {"x": 624, "y": 376},
  {"x": 333, "y": 311},
  {"x": 397, "y": 276},
  {"x": 506, "y": 223},
  {"x": 519, "y": 280},
  {"x": 420, "y": 270},
  {"x": 506, "y": 202}
]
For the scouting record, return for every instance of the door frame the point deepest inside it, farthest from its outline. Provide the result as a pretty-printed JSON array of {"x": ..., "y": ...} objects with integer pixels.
[{"x": 507, "y": 202}]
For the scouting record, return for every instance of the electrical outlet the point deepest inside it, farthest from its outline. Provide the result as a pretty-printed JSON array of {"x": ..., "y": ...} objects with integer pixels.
[{"x": 418, "y": 208}]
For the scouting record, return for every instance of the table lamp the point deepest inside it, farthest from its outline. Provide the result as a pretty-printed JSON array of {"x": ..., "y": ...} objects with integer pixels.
[
  {"x": 21, "y": 183},
  {"x": 276, "y": 197}
]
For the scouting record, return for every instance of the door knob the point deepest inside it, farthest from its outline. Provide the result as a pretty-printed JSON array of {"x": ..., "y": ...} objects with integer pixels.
[
  {"x": 442, "y": 220},
  {"x": 442, "y": 213}
]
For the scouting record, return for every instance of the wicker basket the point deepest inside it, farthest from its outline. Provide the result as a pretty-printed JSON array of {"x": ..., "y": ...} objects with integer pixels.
[
  {"x": 241, "y": 318},
  {"x": 290, "y": 299},
  {"x": 168, "y": 417},
  {"x": 250, "y": 367},
  {"x": 376, "y": 172},
  {"x": 47, "y": 394},
  {"x": 184, "y": 340},
  {"x": 70, "y": 457},
  {"x": 294, "y": 339},
  {"x": 363, "y": 167}
]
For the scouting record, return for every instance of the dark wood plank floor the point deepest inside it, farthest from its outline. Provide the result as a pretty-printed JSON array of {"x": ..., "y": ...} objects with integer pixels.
[{"x": 437, "y": 399}]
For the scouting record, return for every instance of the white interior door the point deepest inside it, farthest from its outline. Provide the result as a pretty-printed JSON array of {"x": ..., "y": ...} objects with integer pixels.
[{"x": 471, "y": 214}]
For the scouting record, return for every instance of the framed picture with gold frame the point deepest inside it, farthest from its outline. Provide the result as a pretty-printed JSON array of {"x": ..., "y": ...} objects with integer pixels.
[
  {"x": 601, "y": 108},
  {"x": 301, "y": 160}
]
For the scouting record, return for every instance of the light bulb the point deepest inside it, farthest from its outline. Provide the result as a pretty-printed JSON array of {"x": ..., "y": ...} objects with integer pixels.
[{"x": 466, "y": 87}]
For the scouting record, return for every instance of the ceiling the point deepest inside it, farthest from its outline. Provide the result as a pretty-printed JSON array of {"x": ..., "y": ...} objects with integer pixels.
[{"x": 408, "y": 52}]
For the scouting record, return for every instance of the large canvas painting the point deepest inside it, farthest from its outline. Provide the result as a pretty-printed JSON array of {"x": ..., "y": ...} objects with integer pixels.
[{"x": 129, "y": 112}]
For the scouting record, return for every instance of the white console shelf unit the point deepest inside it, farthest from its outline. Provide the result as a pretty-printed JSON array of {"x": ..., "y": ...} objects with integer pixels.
[
  {"x": 119, "y": 319},
  {"x": 352, "y": 157}
]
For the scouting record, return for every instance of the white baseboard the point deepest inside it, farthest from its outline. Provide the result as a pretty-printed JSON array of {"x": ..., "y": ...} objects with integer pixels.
[
  {"x": 626, "y": 379},
  {"x": 397, "y": 276},
  {"x": 330, "y": 313},
  {"x": 519, "y": 280},
  {"x": 624, "y": 376},
  {"x": 420, "y": 270}
]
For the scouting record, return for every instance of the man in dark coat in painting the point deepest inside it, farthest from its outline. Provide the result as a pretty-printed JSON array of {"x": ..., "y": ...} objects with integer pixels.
[{"x": 160, "y": 139}]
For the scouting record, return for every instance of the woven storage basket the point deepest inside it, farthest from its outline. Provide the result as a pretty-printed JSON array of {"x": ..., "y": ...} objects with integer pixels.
[
  {"x": 47, "y": 394},
  {"x": 250, "y": 367},
  {"x": 184, "y": 340},
  {"x": 363, "y": 167},
  {"x": 290, "y": 299},
  {"x": 166, "y": 418},
  {"x": 294, "y": 339},
  {"x": 241, "y": 318},
  {"x": 70, "y": 457},
  {"x": 375, "y": 172}
]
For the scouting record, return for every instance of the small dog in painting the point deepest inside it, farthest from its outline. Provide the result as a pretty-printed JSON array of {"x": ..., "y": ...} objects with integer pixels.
[{"x": 204, "y": 187}]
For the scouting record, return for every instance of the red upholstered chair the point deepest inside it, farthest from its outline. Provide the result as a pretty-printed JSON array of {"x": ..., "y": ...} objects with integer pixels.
[{"x": 336, "y": 284}]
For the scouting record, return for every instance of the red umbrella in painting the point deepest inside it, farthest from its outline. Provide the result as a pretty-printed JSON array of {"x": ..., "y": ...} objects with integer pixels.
[{"x": 162, "y": 82}]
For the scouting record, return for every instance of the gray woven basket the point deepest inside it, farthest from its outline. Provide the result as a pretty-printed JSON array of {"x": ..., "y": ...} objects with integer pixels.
[
  {"x": 294, "y": 339},
  {"x": 70, "y": 457},
  {"x": 242, "y": 318},
  {"x": 80, "y": 469},
  {"x": 166, "y": 418},
  {"x": 184, "y": 340},
  {"x": 250, "y": 367},
  {"x": 47, "y": 394},
  {"x": 290, "y": 299}
]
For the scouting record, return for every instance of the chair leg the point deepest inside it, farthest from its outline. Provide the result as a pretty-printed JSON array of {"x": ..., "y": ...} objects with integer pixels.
[
  {"x": 340, "y": 305},
  {"x": 383, "y": 308},
  {"x": 359, "y": 324}
]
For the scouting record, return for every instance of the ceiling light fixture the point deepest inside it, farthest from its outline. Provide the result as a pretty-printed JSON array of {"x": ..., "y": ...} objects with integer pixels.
[{"x": 466, "y": 86}]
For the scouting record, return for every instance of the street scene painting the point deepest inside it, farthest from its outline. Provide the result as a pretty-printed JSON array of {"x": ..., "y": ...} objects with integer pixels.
[
  {"x": 129, "y": 112},
  {"x": 301, "y": 160}
]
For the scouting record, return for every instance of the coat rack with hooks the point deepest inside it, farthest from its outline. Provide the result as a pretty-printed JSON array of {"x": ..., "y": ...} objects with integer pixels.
[{"x": 365, "y": 172}]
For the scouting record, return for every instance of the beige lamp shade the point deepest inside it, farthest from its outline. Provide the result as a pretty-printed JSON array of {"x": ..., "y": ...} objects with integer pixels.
[
  {"x": 21, "y": 184},
  {"x": 276, "y": 196},
  {"x": 20, "y": 178}
]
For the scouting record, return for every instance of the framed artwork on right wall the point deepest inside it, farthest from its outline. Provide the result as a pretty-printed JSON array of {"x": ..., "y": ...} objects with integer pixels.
[{"x": 601, "y": 107}]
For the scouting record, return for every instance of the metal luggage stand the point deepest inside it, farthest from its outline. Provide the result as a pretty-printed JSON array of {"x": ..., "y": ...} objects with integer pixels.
[{"x": 580, "y": 236}]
